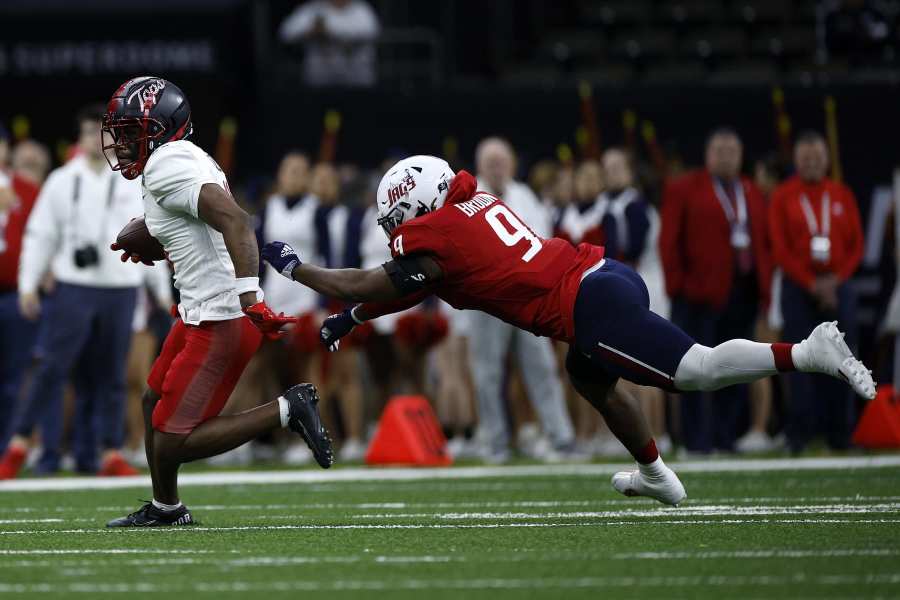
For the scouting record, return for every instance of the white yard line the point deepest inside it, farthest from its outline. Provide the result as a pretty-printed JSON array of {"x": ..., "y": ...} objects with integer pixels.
[
  {"x": 18, "y": 521},
  {"x": 402, "y": 526},
  {"x": 774, "y": 553},
  {"x": 217, "y": 558},
  {"x": 461, "y": 504},
  {"x": 244, "y": 587},
  {"x": 109, "y": 551},
  {"x": 686, "y": 511},
  {"x": 407, "y": 474}
]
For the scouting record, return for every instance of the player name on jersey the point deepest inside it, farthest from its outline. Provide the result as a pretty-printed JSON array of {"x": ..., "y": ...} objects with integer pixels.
[{"x": 471, "y": 207}]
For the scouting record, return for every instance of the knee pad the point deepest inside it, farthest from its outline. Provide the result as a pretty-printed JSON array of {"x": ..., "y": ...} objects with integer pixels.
[{"x": 692, "y": 374}]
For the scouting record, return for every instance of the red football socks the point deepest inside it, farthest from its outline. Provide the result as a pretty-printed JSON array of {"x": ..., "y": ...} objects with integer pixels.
[
  {"x": 783, "y": 359},
  {"x": 647, "y": 454}
]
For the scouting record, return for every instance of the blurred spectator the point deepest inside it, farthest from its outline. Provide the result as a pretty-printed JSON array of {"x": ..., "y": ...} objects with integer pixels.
[
  {"x": 542, "y": 179},
  {"x": 856, "y": 30},
  {"x": 338, "y": 39},
  {"x": 291, "y": 215},
  {"x": 17, "y": 197},
  {"x": 343, "y": 378},
  {"x": 87, "y": 320},
  {"x": 4, "y": 148},
  {"x": 490, "y": 339},
  {"x": 575, "y": 194},
  {"x": 154, "y": 299},
  {"x": 579, "y": 220},
  {"x": 817, "y": 240},
  {"x": 714, "y": 248},
  {"x": 631, "y": 230},
  {"x": 31, "y": 160},
  {"x": 768, "y": 172}
]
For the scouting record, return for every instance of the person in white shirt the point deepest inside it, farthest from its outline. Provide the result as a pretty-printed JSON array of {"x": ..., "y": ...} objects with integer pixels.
[
  {"x": 490, "y": 339},
  {"x": 87, "y": 320},
  {"x": 338, "y": 37},
  {"x": 189, "y": 209}
]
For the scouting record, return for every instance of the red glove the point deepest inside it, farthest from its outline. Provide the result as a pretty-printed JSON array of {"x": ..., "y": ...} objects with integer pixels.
[{"x": 267, "y": 321}]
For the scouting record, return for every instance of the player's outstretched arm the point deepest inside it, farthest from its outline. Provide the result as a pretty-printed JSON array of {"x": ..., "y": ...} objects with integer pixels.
[{"x": 394, "y": 280}]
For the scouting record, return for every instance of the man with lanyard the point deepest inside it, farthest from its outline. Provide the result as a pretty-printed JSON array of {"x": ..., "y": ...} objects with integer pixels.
[
  {"x": 85, "y": 324},
  {"x": 717, "y": 269},
  {"x": 817, "y": 240}
]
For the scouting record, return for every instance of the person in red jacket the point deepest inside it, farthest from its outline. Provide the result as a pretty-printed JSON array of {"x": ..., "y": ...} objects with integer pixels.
[
  {"x": 17, "y": 196},
  {"x": 714, "y": 250},
  {"x": 817, "y": 240}
]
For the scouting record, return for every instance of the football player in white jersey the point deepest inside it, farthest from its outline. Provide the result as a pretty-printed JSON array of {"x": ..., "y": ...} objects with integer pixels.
[{"x": 209, "y": 239}]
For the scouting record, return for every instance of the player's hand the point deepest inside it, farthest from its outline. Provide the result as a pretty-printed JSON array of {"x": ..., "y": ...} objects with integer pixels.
[
  {"x": 126, "y": 255},
  {"x": 267, "y": 321},
  {"x": 30, "y": 306},
  {"x": 335, "y": 327},
  {"x": 282, "y": 258}
]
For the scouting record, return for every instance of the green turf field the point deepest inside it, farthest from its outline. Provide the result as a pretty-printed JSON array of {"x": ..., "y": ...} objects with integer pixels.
[{"x": 767, "y": 533}]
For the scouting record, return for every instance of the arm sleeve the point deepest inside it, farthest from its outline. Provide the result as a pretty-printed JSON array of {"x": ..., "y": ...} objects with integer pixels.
[
  {"x": 43, "y": 237},
  {"x": 792, "y": 265},
  {"x": 638, "y": 226},
  {"x": 298, "y": 23},
  {"x": 854, "y": 239},
  {"x": 174, "y": 177},
  {"x": 379, "y": 309},
  {"x": 672, "y": 221}
]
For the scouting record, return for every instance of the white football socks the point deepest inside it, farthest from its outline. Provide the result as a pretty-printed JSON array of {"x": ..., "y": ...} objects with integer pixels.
[
  {"x": 166, "y": 507},
  {"x": 654, "y": 469},
  {"x": 284, "y": 409}
]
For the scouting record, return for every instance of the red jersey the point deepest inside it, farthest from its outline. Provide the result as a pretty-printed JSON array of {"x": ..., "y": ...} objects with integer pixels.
[
  {"x": 492, "y": 262},
  {"x": 12, "y": 229},
  {"x": 791, "y": 232}
]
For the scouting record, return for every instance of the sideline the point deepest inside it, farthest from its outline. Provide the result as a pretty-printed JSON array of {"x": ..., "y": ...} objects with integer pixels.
[{"x": 357, "y": 474}]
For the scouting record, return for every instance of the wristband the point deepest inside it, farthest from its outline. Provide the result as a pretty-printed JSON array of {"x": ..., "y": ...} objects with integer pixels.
[
  {"x": 242, "y": 285},
  {"x": 353, "y": 315}
]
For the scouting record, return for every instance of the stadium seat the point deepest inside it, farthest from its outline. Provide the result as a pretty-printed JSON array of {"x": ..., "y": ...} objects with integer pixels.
[
  {"x": 690, "y": 12},
  {"x": 616, "y": 14},
  {"x": 675, "y": 72},
  {"x": 714, "y": 43},
  {"x": 757, "y": 12},
  {"x": 540, "y": 75},
  {"x": 646, "y": 43},
  {"x": 749, "y": 72},
  {"x": 607, "y": 74},
  {"x": 579, "y": 46},
  {"x": 799, "y": 41}
]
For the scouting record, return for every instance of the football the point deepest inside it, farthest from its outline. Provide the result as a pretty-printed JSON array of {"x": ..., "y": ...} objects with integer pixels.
[{"x": 136, "y": 238}]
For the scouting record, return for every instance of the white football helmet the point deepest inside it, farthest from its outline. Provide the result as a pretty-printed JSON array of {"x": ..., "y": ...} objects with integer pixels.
[{"x": 411, "y": 188}]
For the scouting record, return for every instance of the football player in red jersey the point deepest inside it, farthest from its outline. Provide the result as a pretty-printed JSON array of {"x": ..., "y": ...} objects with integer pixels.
[{"x": 471, "y": 250}]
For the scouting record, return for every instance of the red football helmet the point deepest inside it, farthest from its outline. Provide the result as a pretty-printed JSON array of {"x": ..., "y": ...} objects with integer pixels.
[{"x": 142, "y": 115}]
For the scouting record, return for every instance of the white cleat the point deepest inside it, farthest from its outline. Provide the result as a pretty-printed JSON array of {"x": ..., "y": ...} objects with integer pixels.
[
  {"x": 655, "y": 480},
  {"x": 825, "y": 351}
]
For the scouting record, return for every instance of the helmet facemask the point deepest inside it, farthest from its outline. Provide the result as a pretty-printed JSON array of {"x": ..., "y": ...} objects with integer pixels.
[{"x": 128, "y": 141}]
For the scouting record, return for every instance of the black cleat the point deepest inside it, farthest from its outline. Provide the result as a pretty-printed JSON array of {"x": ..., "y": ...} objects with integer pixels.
[
  {"x": 304, "y": 419},
  {"x": 150, "y": 516}
]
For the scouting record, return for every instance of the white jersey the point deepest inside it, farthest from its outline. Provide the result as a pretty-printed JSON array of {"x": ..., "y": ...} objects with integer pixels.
[
  {"x": 294, "y": 225},
  {"x": 204, "y": 273}
]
